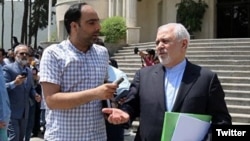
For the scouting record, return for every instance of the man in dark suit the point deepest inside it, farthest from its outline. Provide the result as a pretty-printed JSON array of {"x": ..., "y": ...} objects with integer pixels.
[
  {"x": 173, "y": 85},
  {"x": 19, "y": 84}
]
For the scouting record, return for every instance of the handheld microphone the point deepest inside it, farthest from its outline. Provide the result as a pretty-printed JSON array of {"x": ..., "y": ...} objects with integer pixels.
[{"x": 118, "y": 81}]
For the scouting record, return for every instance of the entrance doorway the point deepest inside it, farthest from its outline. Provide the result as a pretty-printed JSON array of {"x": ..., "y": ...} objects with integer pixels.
[{"x": 233, "y": 18}]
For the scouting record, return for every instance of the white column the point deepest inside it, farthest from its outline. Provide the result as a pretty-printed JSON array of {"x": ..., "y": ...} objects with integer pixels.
[
  {"x": 131, "y": 13},
  {"x": 119, "y": 7},
  {"x": 133, "y": 32},
  {"x": 111, "y": 8},
  {"x": 124, "y": 8}
]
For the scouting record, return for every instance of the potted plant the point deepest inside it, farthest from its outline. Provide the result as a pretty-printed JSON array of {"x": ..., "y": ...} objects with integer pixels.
[
  {"x": 190, "y": 13},
  {"x": 114, "y": 29}
]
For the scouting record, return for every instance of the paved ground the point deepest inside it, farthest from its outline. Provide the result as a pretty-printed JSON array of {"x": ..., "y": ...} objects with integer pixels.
[{"x": 129, "y": 137}]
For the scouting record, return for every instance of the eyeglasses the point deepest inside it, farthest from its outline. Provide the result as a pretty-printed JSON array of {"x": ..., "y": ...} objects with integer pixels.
[{"x": 24, "y": 53}]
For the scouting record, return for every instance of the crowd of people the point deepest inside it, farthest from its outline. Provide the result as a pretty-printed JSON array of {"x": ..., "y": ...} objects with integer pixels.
[
  {"x": 76, "y": 77},
  {"x": 19, "y": 71}
]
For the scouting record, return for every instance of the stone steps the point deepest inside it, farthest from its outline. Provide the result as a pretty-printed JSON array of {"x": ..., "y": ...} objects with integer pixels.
[
  {"x": 237, "y": 93},
  {"x": 238, "y": 109},
  {"x": 197, "y": 57},
  {"x": 206, "y": 50},
  {"x": 137, "y": 65},
  {"x": 195, "y": 52},
  {"x": 229, "y": 58},
  {"x": 237, "y": 101},
  {"x": 210, "y": 61},
  {"x": 241, "y": 118}
]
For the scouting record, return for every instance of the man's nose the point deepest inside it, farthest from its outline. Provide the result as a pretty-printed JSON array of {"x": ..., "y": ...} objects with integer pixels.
[{"x": 160, "y": 46}]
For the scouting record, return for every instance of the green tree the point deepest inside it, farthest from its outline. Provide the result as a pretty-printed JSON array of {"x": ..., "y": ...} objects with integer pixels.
[
  {"x": 30, "y": 9},
  {"x": 35, "y": 17},
  {"x": 12, "y": 22},
  {"x": 39, "y": 17},
  {"x": 190, "y": 14},
  {"x": 25, "y": 22}
]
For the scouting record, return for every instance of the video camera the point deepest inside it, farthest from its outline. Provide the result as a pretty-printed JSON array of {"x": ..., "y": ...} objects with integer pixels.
[
  {"x": 136, "y": 50},
  {"x": 149, "y": 51}
]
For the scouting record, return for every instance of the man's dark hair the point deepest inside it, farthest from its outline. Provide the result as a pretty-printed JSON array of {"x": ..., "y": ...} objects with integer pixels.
[
  {"x": 3, "y": 51},
  {"x": 99, "y": 42},
  {"x": 151, "y": 52},
  {"x": 136, "y": 50},
  {"x": 113, "y": 62},
  {"x": 73, "y": 14}
]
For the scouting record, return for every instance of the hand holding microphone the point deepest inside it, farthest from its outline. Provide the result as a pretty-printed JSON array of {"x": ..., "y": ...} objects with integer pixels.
[{"x": 118, "y": 81}]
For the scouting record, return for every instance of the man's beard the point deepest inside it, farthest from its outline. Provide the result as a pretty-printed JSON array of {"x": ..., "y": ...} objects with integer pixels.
[
  {"x": 165, "y": 60},
  {"x": 22, "y": 62}
]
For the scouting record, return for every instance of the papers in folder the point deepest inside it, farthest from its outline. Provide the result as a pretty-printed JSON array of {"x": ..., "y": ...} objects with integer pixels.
[{"x": 185, "y": 127}]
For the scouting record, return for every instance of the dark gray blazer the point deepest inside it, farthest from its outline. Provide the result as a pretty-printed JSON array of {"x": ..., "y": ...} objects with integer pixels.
[
  {"x": 200, "y": 92},
  {"x": 19, "y": 95}
]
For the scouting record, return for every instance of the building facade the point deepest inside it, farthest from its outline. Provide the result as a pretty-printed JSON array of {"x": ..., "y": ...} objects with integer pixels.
[{"x": 223, "y": 18}]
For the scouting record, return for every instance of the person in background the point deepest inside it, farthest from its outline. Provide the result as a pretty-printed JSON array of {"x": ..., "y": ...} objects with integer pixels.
[
  {"x": 4, "y": 108},
  {"x": 19, "y": 84},
  {"x": 10, "y": 57},
  {"x": 156, "y": 60},
  {"x": 112, "y": 61},
  {"x": 34, "y": 109},
  {"x": 173, "y": 85},
  {"x": 147, "y": 57},
  {"x": 36, "y": 127},
  {"x": 2, "y": 56},
  {"x": 72, "y": 75},
  {"x": 42, "y": 114},
  {"x": 116, "y": 132}
]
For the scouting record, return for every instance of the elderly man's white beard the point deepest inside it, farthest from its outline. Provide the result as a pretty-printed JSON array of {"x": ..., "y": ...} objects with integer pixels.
[
  {"x": 22, "y": 62},
  {"x": 165, "y": 60}
]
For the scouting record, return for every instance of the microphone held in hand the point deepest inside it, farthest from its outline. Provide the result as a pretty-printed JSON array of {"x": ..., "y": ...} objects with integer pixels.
[{"x": 118, "y": 81}]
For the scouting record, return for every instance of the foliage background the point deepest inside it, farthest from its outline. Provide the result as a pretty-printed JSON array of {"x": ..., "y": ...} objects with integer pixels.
[
  {"x": 190, "y": 13},
  {"x": 114, "y": 28}
]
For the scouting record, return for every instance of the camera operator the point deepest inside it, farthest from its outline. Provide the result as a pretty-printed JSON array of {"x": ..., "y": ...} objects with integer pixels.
[{"x": 147, "y": 57}]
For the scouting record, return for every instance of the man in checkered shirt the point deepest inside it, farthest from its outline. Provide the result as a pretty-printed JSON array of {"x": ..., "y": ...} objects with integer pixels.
[{"x": 72, "y": 75}]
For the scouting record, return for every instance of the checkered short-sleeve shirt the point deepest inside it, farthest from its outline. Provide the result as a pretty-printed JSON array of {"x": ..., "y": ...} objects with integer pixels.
[{"x": 74, "y": 71}]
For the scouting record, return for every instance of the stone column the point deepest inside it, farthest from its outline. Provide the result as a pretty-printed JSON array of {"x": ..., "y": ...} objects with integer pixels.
[
  {"x": 119, "y": 7},
  {"x": 133, "y": 32},
  {"x": 124, "y": 8},
  {"x": 111, "y": 8}
]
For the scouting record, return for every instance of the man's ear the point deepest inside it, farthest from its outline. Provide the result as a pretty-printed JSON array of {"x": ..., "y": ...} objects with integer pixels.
[
  {"x": 185, "y": 43},
  {"x": 74, "y": 25}
]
